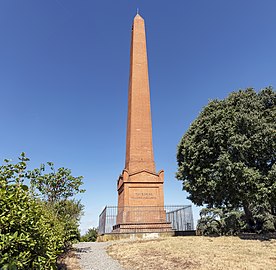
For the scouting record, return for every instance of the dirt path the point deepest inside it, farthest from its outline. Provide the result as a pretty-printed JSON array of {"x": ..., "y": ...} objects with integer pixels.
[{"x": 93, "y": 256}]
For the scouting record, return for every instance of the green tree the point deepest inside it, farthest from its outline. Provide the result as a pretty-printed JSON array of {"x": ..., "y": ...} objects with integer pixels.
[
  {"x": 69, "y": 209},
  {"x": 90, "y": 236},
  {"x": 227, "y": 157},
  {"x": 56, "y": 188},
  {"x": 56, "y": 185},
  {"x": 69, "y": 212}
]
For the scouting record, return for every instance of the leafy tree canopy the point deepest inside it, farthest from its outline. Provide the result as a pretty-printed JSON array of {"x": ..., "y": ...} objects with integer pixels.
[
  {"x": 90, "y": 236},
  {"x": 56, "y": 185},
  {"x": 227, "y": 157}
]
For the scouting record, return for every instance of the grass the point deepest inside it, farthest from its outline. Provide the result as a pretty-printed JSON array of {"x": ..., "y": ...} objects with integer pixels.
[
  {"x": 69, "y": 261},
  {"x": 196, "y": 253}
]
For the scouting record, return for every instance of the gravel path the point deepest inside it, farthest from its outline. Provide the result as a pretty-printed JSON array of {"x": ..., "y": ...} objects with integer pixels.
[{"x": 94, "y": 257}]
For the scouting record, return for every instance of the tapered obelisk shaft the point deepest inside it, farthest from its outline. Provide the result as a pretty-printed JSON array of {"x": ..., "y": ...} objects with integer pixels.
[
  {"x": 139, "y": 150},
  {"x": 140, "y": 187}
]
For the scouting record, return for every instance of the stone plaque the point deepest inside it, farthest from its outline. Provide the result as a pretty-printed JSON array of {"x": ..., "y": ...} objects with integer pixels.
[{"x": 143, "y": 196}]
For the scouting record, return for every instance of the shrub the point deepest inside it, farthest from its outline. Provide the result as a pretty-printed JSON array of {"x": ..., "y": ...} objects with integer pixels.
[
  {"x": 31, "y": 237},
  {"x": 33, "y": 231},
  {"x": 90, "y": 236}
]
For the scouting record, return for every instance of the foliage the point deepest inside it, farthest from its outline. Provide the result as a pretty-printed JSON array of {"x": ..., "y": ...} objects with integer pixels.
[
  {"x": 90, "y": 236},
  {"x": 68, "y": 212},
  {"x": 30, "y": 236},
  {"x": 69, "y": 209},
  {"x": 227, "y": 157},
  {"x": 263, "y": 219},
  {"x": 33, "y": 232},
  {"x": 215, "y": 221},
  {"x": 55, "y": 188},
  {"x": 55, "y": 185}
]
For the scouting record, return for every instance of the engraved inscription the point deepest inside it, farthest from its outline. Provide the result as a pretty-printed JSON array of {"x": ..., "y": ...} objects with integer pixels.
[{"x": 143, "y": 196}]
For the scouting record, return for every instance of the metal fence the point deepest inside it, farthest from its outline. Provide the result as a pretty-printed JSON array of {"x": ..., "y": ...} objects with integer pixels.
[{"x": 179, "y": 216}]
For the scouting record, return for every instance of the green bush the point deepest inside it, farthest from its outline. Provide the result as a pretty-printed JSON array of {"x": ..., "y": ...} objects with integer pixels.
[
  {"x": 31, "y": 237},
  {"x": 215, "y": 221},
  {"x": 210, "y": 222},
  {"x": 90, "y": 236},
  {"x": 33, "y": 231}
]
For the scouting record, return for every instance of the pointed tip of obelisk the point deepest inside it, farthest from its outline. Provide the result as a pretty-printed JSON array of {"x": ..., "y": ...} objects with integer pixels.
[{"x": 138, "y": 16}]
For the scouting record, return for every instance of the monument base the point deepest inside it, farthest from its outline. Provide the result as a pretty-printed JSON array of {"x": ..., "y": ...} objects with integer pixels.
[
  {"x": 133, "y": 236},
  {"x": 142, "y": 227}
]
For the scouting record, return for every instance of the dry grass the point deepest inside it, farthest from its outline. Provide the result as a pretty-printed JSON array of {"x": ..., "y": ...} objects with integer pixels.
[
  {"x": 196, "y": 253},
  {"x": 69, "y": 261}
]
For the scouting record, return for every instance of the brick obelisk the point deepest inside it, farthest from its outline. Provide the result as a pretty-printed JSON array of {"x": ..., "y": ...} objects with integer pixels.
[{"x": 140, "y": 187}]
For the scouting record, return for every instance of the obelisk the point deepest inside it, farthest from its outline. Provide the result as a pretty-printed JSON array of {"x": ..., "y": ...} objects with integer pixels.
[{"x": 140, "y": 187}]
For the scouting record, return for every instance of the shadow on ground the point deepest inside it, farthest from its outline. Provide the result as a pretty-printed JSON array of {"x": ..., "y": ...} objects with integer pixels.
[
  {"x": 70, "y": 260},
  {"x": 256, "y": 236}
]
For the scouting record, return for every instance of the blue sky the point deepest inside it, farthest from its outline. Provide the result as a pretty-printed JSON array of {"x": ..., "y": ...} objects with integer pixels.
[{"x": 64, "y": 68}]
